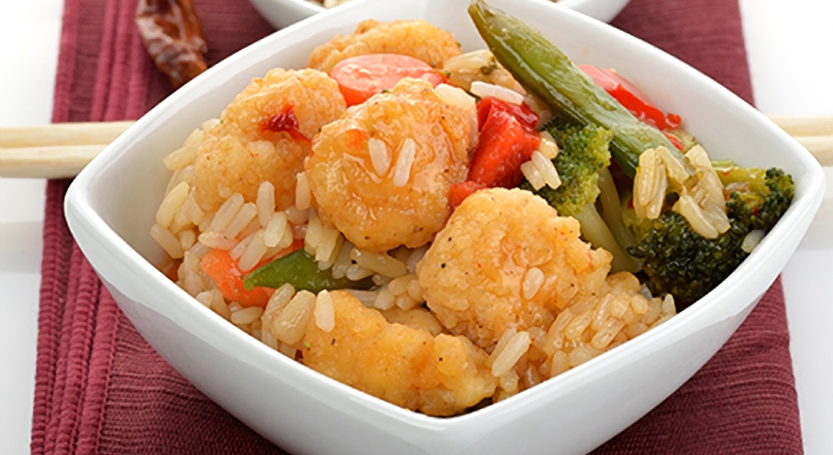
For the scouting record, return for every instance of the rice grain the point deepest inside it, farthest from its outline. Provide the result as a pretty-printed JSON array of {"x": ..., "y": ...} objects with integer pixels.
[
  {"x": 693, "y": 213},
  {"x": 415, "y": 291},
  {"x": 254, "y": 252},
  {"x": 241, "y": 246},
  {"x": 217, "y": 241},
  {"x": 303, "y": 196},
  {"x": 186, "y": 155},
  {"x": 533, "y": 175},
  {"x": 454, "y": 96},
  {"x": 483, "y": 90},
  {"x": 246, "y": 316},
  {"x": 244, "y": 216},
  {"x": 295, "y": 216},
  {"x": 379, "y": 262},
  {"x": 187, "y": 239},
  {"x": 399, "y": 286},
  {"x": 275, "y": 228},
  {"x": 404, "y": 162},
  {"x": 339, "y": 268},
  {"x": 414, "y": 258},
  {"x": 379, "y": 156},
  {"x": 334, "y": 255},
  {"x": 606, "y": 333},
  {"x": 326, "y": 245},
  {"x": 578, "y": 325},
  {"x": 324, "y": 313},
  {"x": 265, "y": 202},
  {"x": 405, "y": 302},
  {"x": 547, "y": 169},
  {"x": 532, "y": 282},
  {"x": 385, "y": 300},
  {"x": 559, "y": 363},
  {"x": 219, "y": 306},
  {"x": 356, "y": 272},
  {"x": 291, "y": 323},
  {"x": 548, "y": 146},
  {"x": 509, "y": 355},
  {"x": 312, "y": 238},
  {"x": 226, "y": 212},
  {"x": 167, "y": 241},
  {"x": 653, "y": 312},
  {"x": 752, "y": 240},
  {"x": 170, "y": 204},
  {"x": 279, "y": 299},
  {"x": 509, "y": 380}
]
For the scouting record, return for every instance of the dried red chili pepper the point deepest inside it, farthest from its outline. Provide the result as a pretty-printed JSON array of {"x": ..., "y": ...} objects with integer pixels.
[{"x": 173, "y": 37}]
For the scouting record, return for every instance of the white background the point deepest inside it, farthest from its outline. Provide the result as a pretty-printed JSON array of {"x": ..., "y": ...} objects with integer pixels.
[{"x": 791, "y": 63}]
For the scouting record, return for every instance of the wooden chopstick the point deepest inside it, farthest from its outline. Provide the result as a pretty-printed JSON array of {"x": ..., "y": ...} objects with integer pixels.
[
  {"x": 51, "y": 162},
  {"x": 800, "y": 126},
  {"x": 62, "y": 134},
  {"x": 61, "y": 150}
]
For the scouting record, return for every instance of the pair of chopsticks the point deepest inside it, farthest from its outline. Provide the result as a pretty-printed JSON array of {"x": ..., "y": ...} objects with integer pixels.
[{"x": 61, "y": 150}]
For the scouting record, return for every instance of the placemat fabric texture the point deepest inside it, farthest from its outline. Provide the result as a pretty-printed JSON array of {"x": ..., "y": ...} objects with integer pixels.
[{"x": 100, "y": 388}]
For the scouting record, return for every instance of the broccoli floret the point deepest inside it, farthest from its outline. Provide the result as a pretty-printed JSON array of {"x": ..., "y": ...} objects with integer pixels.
[
  {"x": 679, "y": 261},
  {"x": 759, "y": 197},
  {"x": 582, "y": 163},
  {"x": 582, "y": 153}
]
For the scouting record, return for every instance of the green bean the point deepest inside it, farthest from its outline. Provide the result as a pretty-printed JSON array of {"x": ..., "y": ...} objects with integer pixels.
[{"x": 301, "y": 271}]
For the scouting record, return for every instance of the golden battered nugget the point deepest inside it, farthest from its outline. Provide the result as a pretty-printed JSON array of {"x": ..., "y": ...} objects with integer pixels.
[{"x": 265, "y": 134}]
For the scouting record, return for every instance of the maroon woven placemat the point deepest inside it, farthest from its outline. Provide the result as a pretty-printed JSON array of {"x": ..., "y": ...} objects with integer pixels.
[{"x": 101, "y": 389}]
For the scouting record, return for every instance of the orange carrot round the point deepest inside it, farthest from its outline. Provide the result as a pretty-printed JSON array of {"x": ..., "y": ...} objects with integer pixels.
[
  {"x": 222, "y": 268},
  {"x": 361, "y": 77}
]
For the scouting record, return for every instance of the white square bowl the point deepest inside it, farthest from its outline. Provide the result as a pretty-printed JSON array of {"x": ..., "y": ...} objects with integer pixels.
[{"x": 111, "y": 205}]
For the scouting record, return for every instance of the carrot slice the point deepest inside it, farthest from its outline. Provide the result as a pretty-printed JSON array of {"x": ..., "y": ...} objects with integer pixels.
[
  {"x": 222, "y": 268},
  {"x": 361, "y": 77}
]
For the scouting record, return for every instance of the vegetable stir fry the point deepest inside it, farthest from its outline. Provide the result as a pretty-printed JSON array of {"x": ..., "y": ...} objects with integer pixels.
[{"x": 693, "y": 226}]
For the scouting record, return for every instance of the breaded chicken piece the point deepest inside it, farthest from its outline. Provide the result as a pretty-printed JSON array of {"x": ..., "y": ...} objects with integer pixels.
[
  {"x": 438, "y": 376},
  {"x": 473, "y": 275},
  {"x": 265, "y": 134},
  {"x": 416, "y": 38},
  {"x": 401, "y": 198}
]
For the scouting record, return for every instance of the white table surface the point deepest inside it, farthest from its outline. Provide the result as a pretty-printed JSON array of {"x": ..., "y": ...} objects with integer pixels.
[{"x": 791, "y": 63}]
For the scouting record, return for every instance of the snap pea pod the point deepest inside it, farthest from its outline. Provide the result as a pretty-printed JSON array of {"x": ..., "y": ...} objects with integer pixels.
[
  {"x": 301, "y": 271},
  {"x": 540, "y": 67}
]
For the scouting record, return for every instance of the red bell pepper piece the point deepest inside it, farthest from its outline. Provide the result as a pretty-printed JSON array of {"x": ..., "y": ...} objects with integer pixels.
[
  {"x": 674, "y": 141},
  {"x": 523, "y": 113},
  {"x": 631, "y": 98},
  {"x": 507, "y": 140}
]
